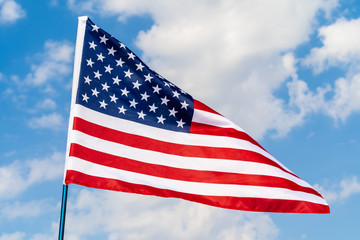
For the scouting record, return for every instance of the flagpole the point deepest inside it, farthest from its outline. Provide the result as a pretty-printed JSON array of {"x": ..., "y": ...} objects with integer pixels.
[{"x": 63, "y": 212}]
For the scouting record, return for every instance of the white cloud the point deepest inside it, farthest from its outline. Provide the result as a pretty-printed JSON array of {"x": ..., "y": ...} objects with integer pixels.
[
  {"x": 52, "y": 121},
  {"x": 11, "y": 181},
  {"x": 16, "y": 177},
  {"x": 341, "y": 191},
  {"x": 338, "y": 101},
  {"x": 12, "y": 236},
  {"x": 28, "y": 209},
  {"x": 55, "y": 62},
  {"x": 47, "y": 104},
  {"x": 130, "y": 216},
  {"x": 54, "y": 3},
  {"x": 83, "y": 6},
  {"x": 340, "y": 46},
  {"x": 349, "y": 186},
  {"x": 340, "y": 49},
  {"x": 346, "y": 98},
  {"x": 41, "y": 236},
  {"x": 38, "y": 236},
  {"x": 9, "y": 154},
  {"x": 51, "y": 233},
  {"x": 10, "y": 11},
  {"x": 225, "y": 48}
]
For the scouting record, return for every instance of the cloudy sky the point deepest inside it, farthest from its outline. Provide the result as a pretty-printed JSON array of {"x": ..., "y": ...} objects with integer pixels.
[{"x": 286, "y": 71}]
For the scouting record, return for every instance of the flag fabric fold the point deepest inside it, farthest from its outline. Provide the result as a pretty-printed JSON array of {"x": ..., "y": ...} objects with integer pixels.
[{"x": 134, "y": 131}]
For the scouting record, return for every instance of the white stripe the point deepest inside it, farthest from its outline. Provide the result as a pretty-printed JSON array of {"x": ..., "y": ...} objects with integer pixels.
[
  {"x": 191, "y": 187},
  {"x": 192, "y": 163},
  {"x": 213, "y": 119},
  {"x": 167, "y": 135},
  {"x": 217, "y": 120}
]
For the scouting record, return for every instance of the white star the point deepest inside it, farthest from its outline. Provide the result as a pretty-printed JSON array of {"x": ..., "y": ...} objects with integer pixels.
[
  {"x": 105, "y": 86},
  {"x": 133, "y": 103},
  {"x": 108, "y": 69},
  {"x": 128, "y": 73},
  {"x": 95, "y": 28},
  {"x": 103, "y": 104},
  {"x": 122, "y": 45},
  {"x": 124, "y": 92},
  {"x": 94, "y": 92},
  {"x": 100, "y": 57},
  {"x": 111, "y": 51},
  {"x": 97, "y": 74},
  {"x": 103, "y": 39},
  {"x": 184, "y": 104},
  {"x": 156, "y": 89},
  {"x": 116, "y": 80},
  {"x": 172, "y": 112},
  {"x": 131, "y": 56},
  {"x": 166, "y": 84},
  {"x": 153, "y": 107},
  {"x": 139, "y": 66},
  {"x": 122, "y": 110},
  {"x": 89, "y": 62},
  {"x": 180, "y": 123},
  {"x": 161, "y": 119},
  {"x": 92, "y": 45},
  {"x": 119, "y": 62},
  {"x": 141, "y": 115},
  {"x": 113, "y": 98},
  {"x": 144, "y": 96},
  {"x": 85, "y": 97},
  {"x": 148, "y": 77},
  {"x": 87, "y": 80},
  {"x": 176, "y": 94},
  {"x": 136, "y": 84},
  {"x": 164, "y": 100}
]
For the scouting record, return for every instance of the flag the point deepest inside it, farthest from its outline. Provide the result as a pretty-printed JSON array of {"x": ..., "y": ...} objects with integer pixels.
[{"x": 132, "y": 130}]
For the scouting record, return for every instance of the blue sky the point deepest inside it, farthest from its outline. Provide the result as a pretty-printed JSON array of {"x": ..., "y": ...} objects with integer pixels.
[{"x": 288, "y": 72}]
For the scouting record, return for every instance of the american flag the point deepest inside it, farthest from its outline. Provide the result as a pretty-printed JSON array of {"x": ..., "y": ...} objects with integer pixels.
[{"x": 132, "y": 130}]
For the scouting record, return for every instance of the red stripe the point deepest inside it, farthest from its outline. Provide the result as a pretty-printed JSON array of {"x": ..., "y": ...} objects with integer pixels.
[
  {"x": 237, "y": 203},
  {"x": 181, "y": 174},
  {"x": 200, "y": 128},
  {"x": 200, "y": 106},
  {"x": 170, "y": 148}
]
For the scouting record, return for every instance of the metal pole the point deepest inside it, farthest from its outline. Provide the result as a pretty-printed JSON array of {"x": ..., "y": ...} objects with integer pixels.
[{"x": 63, "y": 212}]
